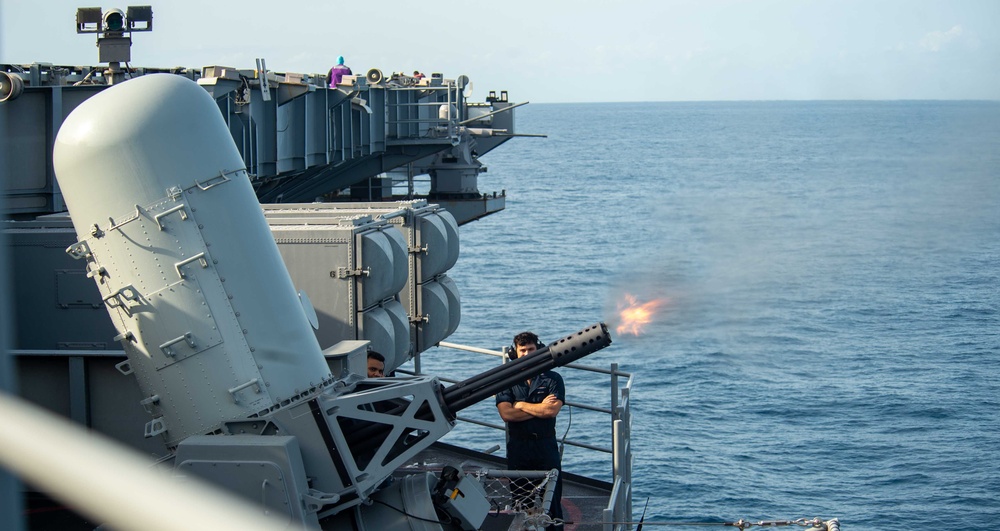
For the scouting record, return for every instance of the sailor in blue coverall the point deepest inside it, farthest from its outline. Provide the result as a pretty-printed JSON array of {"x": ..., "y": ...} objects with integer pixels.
[{"x": 529, "y": 408}]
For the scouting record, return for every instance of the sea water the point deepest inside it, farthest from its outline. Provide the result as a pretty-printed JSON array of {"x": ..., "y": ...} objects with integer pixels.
[{"x": 828, "y": 343}]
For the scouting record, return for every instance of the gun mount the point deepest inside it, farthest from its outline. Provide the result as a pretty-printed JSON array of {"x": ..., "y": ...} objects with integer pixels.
[
  {"x": 220, "y": 342},
  {"x": 459, "y": 396}
]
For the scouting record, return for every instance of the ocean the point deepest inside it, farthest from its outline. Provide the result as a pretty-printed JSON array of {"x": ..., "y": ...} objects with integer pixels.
[{"x": 828, "y": 343}]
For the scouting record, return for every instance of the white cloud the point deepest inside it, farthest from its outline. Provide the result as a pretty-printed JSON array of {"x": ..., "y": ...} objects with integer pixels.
[{"x": 934, "y": 40}]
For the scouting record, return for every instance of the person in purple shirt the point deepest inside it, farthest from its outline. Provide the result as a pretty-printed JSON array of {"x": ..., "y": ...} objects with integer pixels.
[{"x": 338, "y": 72}]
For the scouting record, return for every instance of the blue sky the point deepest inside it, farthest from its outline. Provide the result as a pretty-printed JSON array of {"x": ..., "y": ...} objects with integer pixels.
[{"x": 570, "y": 51}]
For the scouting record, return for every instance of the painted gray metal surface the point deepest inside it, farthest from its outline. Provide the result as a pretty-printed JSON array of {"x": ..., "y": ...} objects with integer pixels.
[
  {"x": 430, "y": 298},
  {"x": 353, "y": 273},
  {"x": 266, "y": 469},
  {"x": 10, "y": 489},
  {"x": 299, "y": 139},
  {"x": 212, "y": 326},
  {"x": 62, "y": 309},
  {"x": 183, "y": 256}
]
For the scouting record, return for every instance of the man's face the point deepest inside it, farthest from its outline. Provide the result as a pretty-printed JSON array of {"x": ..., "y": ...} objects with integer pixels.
[
  {"x": 524, "y": 350},
  {"x": 376, "y": 369}
]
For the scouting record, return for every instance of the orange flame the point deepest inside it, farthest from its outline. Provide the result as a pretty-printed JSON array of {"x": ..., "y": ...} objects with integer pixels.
[{"x": 635, "y": 316}]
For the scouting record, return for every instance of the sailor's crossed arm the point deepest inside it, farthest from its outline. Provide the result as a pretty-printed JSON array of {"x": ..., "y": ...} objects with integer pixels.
[{"x": 546, "y": 409}]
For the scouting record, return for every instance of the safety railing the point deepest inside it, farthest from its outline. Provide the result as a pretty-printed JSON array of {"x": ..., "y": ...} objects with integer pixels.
[{"x": 415, "y": 112}]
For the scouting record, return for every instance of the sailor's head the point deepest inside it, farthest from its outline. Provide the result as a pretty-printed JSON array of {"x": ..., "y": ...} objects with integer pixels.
[
  {"x": 524, "y": 343},
  {"x": 376, "y": 364},
  {"x": 340, "y": 60}
]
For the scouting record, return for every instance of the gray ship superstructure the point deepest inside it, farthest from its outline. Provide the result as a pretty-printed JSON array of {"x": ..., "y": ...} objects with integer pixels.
[{"x": 159, "y": 303}]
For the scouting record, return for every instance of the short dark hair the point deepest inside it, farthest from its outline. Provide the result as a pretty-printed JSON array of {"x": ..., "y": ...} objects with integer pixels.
[
  {"x": 525, "y": 338},
  {"x": 375, "y": 355}
]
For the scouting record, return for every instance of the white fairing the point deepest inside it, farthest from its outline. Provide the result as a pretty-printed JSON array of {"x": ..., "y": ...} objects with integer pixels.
[{"x": 187, "y": 265}]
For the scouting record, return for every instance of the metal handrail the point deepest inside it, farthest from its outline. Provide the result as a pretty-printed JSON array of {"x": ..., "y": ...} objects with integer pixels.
[
  {"x": 111, "y": 483},
  {"x": 451, "y": 101}
]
